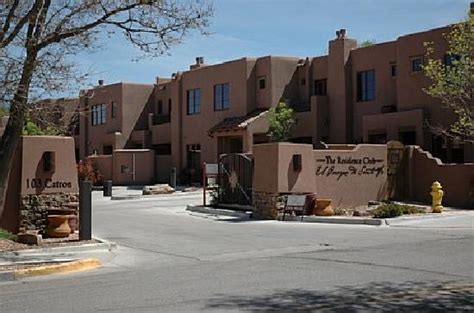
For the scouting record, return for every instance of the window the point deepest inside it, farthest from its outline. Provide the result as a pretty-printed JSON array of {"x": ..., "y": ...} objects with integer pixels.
[
  {"x": 221, "y": 97},
  {"x": 160, "y": 107},
  {"x": 113, "y": 106},
  {"x": 416, "y": 64},
  {"x": 303, "y": 81},
  {"x": 107, "y": 149},
  {"x": 261, "y": 83},
  {"x": 449, "y": 59},
  {"x": 366, "y": 85},
  {"x": 194, "y": 101},
  {"x": 162, "y": 149},
  {"x": 393, "y": 70},
  {"x": 169, "y": 106},
  {"x": 320, "y": 87},
  {"x": 99, "y": 113}
]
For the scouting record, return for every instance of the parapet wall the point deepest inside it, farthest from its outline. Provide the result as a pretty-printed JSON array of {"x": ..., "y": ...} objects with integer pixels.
[{"x": 457, "y": 179}]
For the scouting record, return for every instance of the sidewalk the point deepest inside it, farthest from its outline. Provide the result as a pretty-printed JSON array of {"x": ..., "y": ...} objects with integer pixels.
[
  {"x": 51, "y": 260},
  {"x": 449, "y": 213}
]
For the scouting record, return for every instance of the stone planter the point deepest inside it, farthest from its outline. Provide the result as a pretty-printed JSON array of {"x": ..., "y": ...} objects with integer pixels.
[
  {"x": 323, "y": 207},
  {"x": 58, "y": 226}
]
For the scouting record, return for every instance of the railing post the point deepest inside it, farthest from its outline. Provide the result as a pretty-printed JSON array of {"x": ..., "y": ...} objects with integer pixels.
[{"x": 85, "y": 210}]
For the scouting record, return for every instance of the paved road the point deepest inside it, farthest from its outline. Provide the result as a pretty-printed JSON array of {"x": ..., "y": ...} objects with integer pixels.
[{"x": 172, "y": 261}]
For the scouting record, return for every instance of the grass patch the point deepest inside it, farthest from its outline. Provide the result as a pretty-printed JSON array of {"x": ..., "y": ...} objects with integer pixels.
[
  {"x": 5, "y": 234},
  {"x": 393, "y": 210}
]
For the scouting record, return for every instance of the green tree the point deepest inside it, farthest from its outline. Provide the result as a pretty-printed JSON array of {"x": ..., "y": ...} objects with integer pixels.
[
  {"x": 281, "y": 120},
  {"x": 39, "y": 41},
  {"x": 367, "y": 43},
  {"x": 453, "y": 81}
]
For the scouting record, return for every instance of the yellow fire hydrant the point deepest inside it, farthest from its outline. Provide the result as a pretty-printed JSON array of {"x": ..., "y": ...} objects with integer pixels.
[{"x": 437, "y": 195}]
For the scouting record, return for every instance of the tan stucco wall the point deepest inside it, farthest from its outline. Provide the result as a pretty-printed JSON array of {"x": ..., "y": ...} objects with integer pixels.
[
  {"x": 273, "y": 168},
  {"x": 393, "y": 123},
  {"x": 457, "y": 179},
  {"x": 141, "y": 163},
  {"x": 65, "y": 171},
  {"x": 328, "y": 173},
  {"x": 350, "y": 185}
]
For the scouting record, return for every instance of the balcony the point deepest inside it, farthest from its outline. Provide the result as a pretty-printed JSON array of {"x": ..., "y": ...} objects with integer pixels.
[{"x": 160, "y": 119}]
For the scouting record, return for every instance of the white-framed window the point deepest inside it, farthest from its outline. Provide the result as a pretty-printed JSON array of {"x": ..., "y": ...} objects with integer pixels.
[{"x": 98, "y": 114}]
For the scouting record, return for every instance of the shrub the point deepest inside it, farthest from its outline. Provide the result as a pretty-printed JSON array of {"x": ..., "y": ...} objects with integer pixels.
[
  {"x": 5, "y": 234},
  {"x": 86, "y": 171},
  {"x": 393, "y": 210}
]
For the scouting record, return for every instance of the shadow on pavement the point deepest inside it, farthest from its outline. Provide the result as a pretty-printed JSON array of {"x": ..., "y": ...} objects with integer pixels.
[{"x": 374, "y": 297}]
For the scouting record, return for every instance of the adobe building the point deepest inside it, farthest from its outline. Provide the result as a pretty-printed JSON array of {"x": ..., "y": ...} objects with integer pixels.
[
  {"x": 113, "y": 117},
  {"x": 354, "y": 94}
]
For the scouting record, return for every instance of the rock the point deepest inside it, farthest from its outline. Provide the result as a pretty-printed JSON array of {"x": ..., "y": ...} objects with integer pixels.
[
  {"x": 374, "y": 202},
  {"x": 30, "y": 238},
  {"x": 356, "y": 213},
  {"x": 157, "y": 189},
  {"x": 188, "y": 189}
]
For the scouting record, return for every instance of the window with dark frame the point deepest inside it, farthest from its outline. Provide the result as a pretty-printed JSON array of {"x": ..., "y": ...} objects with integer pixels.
[
  {"x": 169, "y": 106},
  {"x": 366, "y": 85},
  {"x": 194, "y": 101},
  {"x": 221, "y": 97},
  {"x": 393, "y": 69},
  {"x": 98, "y": 114},
  {"x": 261, "y": 83},
  {"x": 113, "y": 107},
  {"x": 320, "y": 87},
  {"x": 160, "y": 107},
  {"x": 416, "y": 64},
  {"x": 449, "y": 59},
  {"x": 107, "y": 149}
]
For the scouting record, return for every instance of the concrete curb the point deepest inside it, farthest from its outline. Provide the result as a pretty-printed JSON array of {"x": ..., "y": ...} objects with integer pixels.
[
  {"x": 102, "y": 245},
  {"x": 335, "y": 220},
  {"x": 217, "y": 211},
  {"x": 66, "y": 267}
]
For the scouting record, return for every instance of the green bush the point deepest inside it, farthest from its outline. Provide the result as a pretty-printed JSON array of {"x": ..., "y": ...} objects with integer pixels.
[
  {"x": 5, "y": 234},
  {"x": 393, "y": 210}
]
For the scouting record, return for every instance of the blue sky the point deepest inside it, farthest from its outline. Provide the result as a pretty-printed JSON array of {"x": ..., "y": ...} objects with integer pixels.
[{"x": 262, "y": 27}]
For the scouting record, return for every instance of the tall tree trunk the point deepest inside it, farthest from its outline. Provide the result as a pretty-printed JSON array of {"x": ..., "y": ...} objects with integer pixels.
[{"x": 11, "y": 136}]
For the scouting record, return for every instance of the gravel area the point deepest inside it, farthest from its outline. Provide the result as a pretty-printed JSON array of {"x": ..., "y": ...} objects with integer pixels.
[{"x": 73, "y": 240}]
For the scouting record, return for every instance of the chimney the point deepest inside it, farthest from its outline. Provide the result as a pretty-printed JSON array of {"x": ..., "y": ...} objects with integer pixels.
[
  {"x": 101, "y": 82},
  {"x": 198, "y": 64},
  {"x": 157, "y": 80}
]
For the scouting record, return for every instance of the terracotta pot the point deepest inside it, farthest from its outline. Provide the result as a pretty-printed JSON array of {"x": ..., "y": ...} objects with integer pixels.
[
  {"x": 72, "y": 221},
  {"x": 323, "y": 207},
  {"x": 58, "y": 226}
]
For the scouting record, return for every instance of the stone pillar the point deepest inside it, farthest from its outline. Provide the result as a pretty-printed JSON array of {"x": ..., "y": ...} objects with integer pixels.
[{"x": 267, "y": 205}]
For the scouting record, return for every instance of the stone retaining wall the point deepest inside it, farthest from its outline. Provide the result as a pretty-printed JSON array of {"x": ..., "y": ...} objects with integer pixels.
[
  {"x": 267, "y": 205},
  {"x": 34, "y": 209}
]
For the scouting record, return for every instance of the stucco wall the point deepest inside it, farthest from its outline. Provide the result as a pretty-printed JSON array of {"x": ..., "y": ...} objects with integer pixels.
[
  {"x": 273, "y": 169},
  {"x": 140, "y": 164},
  {"x": 457, "y": 179},
  {"x": 63, "y": 177},
  {"x": 350, "y": 177}
]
